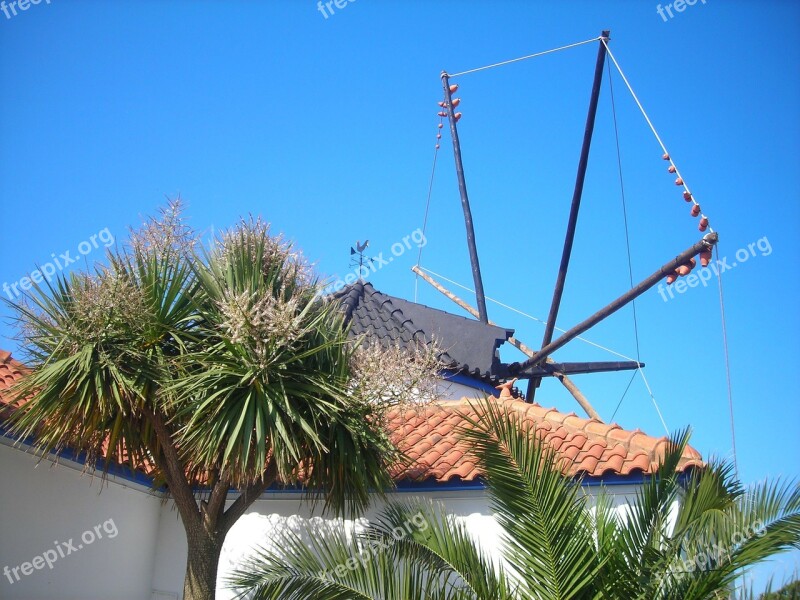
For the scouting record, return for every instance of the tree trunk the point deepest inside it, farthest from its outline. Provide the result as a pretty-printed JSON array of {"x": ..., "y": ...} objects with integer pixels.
[
  {"x": 206, "y": 525},
  {"x": 202, "y": 563}
]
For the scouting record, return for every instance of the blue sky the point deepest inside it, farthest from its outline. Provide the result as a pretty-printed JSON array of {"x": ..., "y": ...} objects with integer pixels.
[{"x": 326, "y": 127}]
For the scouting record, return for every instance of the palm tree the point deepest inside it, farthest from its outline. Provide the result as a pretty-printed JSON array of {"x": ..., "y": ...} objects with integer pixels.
[
  {"x": 220, "y": 371},
  {"x": 555, "y": 546}
]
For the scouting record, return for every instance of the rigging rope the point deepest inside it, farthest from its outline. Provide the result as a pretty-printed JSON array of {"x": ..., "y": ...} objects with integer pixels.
[
  {"x": 526, "y": 315},
  {"x": 653, "y": 398},
  {"x": 630, "y": 381},
  {"x": 624, "y": 208},
  {"x": 630, "y": 262},
  {"x": 513, "y": 60},
  {"x": 690, "y": 197},
  {"x": 674, "y": 168},
  {"x": 727, "y": 363},
  {"x": 427, "y": 205}
]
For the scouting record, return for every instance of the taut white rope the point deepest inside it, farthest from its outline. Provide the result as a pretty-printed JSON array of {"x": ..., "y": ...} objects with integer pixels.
[
  {"x": 652, "y": 127},
  {"x": 513, "y": 60},
  {"x": 526, "y": 315}
]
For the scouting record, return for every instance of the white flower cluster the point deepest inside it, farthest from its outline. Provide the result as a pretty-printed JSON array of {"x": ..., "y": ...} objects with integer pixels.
[{"x": 393, "y": 375}]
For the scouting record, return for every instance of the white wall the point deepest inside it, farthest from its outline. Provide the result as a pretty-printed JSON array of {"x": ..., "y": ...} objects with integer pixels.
[
  {"x": 449, "y": 390},
  {"x": 275, "y": 511},
  {"x": 280, "y": 510},
  {"x": 44, "y": 504},
  {"x": 146, "y": 559}
]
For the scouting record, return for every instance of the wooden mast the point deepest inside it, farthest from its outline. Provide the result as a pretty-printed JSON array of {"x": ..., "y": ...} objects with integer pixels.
[{"x": 577, "y": 194}]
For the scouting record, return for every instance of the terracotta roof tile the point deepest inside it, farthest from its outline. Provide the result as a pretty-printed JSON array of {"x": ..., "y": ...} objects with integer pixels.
[
  {"x": 588, "y": 464},
  {"x": 592, "y": 448},
  {"x": 596, "y": 450},
  {"x": 614, "y": 463},
  {"x": 11, "y": 371},
  {"x": 427, "y": 435}
]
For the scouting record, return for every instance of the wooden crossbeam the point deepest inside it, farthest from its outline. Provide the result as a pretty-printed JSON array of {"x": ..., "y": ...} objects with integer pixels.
[{"x": 566, "y": 382}]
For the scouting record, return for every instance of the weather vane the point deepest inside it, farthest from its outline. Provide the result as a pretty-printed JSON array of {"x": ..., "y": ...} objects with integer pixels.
[{"x": 357, "y": 256}]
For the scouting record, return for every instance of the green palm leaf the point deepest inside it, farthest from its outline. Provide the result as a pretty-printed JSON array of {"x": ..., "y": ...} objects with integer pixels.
[{"x": 548, "y": 534}]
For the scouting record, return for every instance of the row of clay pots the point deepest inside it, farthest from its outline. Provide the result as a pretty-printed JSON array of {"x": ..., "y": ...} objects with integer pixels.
[
  {"x": 686, "y": 268},
  {"x": 687, "y": 195},
  {"x": 442, "y": 113}
]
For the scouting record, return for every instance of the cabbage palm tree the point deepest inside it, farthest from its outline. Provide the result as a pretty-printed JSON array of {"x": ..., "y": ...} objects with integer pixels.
[
  {"x": 220, "y": 371},
  {"x": 555, "y": 546}
]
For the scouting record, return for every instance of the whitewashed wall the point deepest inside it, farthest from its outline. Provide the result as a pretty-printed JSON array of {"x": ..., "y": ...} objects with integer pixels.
[
  {"x": 41, "y": 505},
  {"x": 145, "y": 560},
  {"x": 275, "y": 511},
  {"x": 449, "y": 390}
]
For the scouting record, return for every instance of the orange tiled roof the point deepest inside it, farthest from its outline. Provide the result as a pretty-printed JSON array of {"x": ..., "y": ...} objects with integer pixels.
[
  {"x": 10, "y": 371},
  {"x": 428, "y": 436}
]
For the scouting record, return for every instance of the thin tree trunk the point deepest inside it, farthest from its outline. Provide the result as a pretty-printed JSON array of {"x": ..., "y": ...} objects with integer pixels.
[
  {"x": 206, "y": 538},
  {"x": 208, "y": 523},
  {"x": 202, "y": 563}
]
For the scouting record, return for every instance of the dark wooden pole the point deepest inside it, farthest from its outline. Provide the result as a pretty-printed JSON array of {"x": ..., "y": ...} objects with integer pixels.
[
  {"x": 548, "y": 368},
  {"x": 462, "y": 188},
  {"x": 705, "y": 244},
  {"x": 577, "y": 194}
]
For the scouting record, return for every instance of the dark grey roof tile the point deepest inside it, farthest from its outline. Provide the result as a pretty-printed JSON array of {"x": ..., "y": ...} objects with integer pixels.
[{"x": 469, "y": 346}]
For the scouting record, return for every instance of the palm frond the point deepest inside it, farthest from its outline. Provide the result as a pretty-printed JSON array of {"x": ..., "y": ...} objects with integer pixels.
[{"x": 547, "y": 529}]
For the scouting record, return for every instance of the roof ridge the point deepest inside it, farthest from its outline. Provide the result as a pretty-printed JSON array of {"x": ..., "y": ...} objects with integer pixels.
[{"x": 349, "y": 298}]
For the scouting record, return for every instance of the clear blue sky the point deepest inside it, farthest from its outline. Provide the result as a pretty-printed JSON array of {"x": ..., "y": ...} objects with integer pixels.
[{"x": 326, "y": 128}]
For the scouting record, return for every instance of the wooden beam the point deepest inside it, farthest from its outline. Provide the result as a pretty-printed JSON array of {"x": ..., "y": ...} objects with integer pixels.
[
  {"x": 480, "y": 298},
  {"x": 577, "y": 194},
  {"x": 706, "y": 243},
  {"x": 550, "y": 368},
  {"x": 581, "y": 399},
  {"x": 571, "y": 387}
]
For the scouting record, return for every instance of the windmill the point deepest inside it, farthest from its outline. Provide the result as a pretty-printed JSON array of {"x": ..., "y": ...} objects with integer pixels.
[{"x": 539, "y": 364}]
